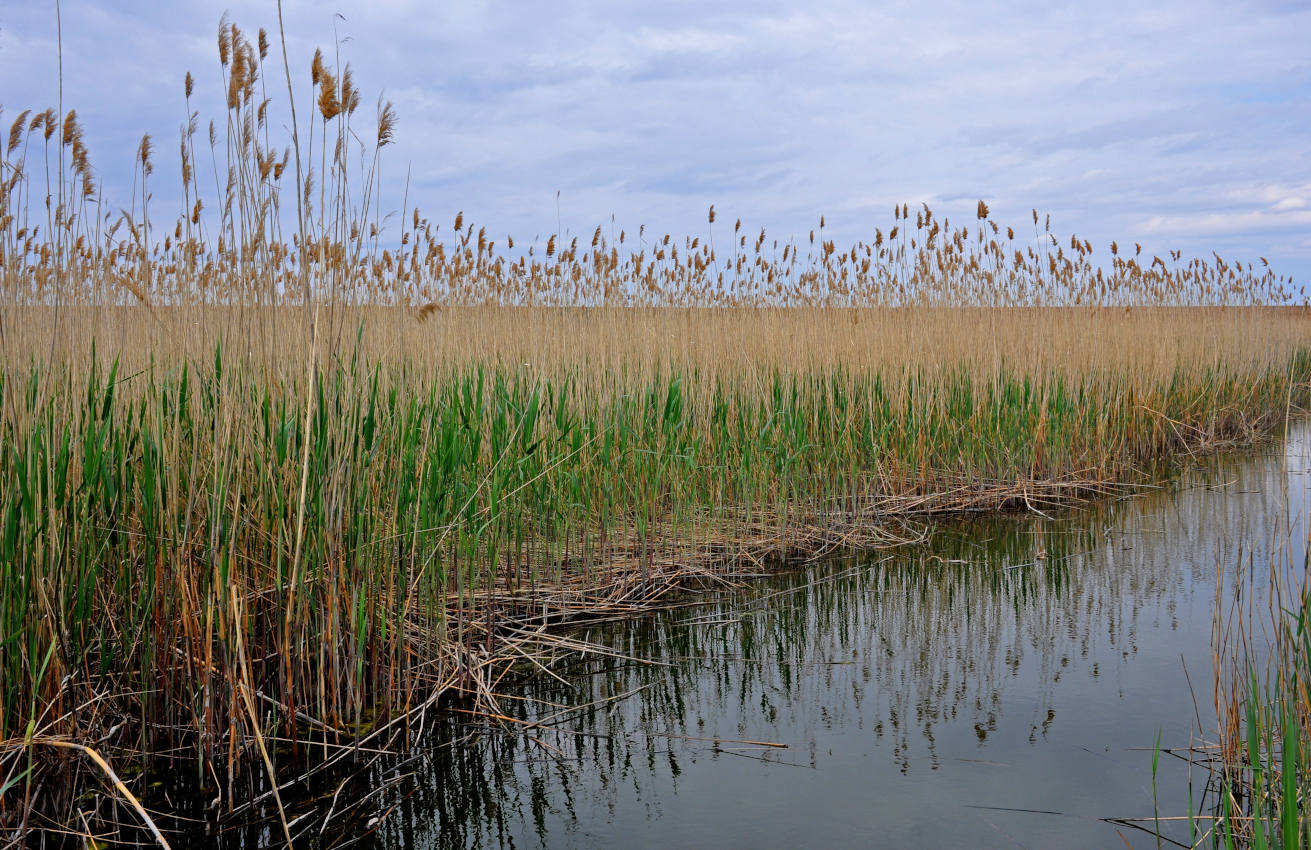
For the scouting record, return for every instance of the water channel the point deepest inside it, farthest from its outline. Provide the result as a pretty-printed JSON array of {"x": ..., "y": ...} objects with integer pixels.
[{"x": 1001, "y": 686}]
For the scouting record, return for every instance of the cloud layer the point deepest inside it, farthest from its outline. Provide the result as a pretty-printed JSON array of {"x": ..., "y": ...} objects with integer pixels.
[{"x": 1180, "y": 126}]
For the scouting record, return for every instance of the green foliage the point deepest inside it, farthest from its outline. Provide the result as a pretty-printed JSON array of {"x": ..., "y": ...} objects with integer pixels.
[{"x": 148, "y": 520}]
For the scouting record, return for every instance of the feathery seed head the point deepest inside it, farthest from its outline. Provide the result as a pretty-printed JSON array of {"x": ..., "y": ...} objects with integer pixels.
[
  {"x": 237, "y": 79},
  {"x": 386, "y": 123},
  {"x": 329, "y": 103},
  {"x": 224, "y": 40},
  {"x": 316, "y": 67},
  {"x": 16, "y": 130},
  {"x": 350, "y": 95},
  {"x": 71, "y": 131},
  {"x": 143, "y": 153}
]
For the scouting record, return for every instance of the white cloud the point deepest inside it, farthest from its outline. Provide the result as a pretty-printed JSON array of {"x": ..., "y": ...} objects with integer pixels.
[{"x": 1251, "y": 221}]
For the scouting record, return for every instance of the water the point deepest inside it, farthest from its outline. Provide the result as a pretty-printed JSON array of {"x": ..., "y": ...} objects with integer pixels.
[{"x": 1000, "y": 687}]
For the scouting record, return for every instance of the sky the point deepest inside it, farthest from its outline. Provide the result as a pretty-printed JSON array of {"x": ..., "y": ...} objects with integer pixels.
[{"x": 1180, "y": 125}]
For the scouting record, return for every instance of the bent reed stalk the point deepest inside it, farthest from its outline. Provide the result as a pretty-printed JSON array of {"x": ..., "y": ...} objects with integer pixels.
[{"x": 266, "y": 487}]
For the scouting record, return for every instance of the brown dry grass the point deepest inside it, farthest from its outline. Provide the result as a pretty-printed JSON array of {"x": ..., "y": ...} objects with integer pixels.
[{"x": 1149, "y": 343}]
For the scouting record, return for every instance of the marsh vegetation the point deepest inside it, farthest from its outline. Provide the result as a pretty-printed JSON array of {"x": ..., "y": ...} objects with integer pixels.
[{"x": 277, "y": 481}]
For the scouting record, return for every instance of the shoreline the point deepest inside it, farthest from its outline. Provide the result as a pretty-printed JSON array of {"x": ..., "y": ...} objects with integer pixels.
[{"x": 456, "y": 638}]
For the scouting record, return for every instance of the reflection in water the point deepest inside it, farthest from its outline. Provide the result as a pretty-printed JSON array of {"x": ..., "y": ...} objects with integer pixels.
[{"x": 986, "y": 690}]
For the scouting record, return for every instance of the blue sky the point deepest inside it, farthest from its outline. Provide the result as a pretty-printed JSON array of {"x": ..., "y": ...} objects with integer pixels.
[{"x": 1180, "y": 125}]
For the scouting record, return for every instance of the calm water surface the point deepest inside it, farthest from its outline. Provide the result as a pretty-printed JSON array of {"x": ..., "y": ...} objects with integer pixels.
[{"x": 999, "y": 687}]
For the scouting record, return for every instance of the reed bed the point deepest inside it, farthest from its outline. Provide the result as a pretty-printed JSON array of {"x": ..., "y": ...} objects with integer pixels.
[
  {"x": 1258, "y": 758},
  {"x": 267, "y": 490},
  {"x": 1261, "y": 768}
]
